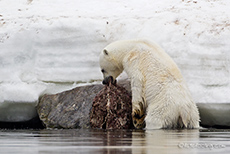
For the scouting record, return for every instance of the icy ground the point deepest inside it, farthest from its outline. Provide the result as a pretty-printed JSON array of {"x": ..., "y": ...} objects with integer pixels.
[{"x": 51, "y": 46}]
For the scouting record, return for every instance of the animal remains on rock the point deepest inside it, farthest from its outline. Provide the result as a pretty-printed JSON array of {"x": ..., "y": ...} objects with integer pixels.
[{"x": 112, "y": 108}]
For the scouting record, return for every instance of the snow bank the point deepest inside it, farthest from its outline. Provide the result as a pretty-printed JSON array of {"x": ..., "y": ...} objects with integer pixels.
[{"x": 51, "y": 46}]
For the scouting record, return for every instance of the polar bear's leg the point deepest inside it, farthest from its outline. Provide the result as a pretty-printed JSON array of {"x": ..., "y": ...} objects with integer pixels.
[
  {"x": 138, "y": 103},
  {"x": 190, "y": 116},
  {"x": 152, "y": 122},
  {"x": 138, "y": 100}
]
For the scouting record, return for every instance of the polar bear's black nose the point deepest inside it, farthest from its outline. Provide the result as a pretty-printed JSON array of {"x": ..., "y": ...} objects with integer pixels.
[{"x": 108, "y": 80}]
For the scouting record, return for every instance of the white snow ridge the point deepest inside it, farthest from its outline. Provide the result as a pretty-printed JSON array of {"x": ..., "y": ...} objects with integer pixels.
[{"x": 51, "y": 46}]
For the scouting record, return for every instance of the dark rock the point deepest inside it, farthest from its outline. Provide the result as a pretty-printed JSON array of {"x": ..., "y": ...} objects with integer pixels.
[
  {"x": 112, "y": 108},
  {"x": 69, "y": 109}
]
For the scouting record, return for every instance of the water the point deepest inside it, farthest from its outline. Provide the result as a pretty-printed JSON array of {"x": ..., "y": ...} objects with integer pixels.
[{"x": 115, "y": 141}]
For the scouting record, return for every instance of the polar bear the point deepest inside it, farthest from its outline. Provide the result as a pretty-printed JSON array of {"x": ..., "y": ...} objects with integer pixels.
[{"x": 160, "y": 97}]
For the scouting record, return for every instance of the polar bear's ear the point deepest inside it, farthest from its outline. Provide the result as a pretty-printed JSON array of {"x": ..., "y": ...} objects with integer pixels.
[{"x": 105, "y": 52}]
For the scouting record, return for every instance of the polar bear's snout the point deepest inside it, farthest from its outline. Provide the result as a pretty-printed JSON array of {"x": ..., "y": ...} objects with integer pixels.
[{"x": 109, "y": 79}]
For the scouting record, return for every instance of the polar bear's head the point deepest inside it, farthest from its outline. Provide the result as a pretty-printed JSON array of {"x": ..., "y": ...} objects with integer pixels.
[{"x": 110, "y": 63}]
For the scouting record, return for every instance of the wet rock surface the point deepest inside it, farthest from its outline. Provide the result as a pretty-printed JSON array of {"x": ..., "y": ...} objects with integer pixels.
[
  {"x": 112, "y": 108},
  {"x": 69, "y": 109}
]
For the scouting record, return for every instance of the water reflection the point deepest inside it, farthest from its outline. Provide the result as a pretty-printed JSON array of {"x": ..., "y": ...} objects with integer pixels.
[
  {"x": 87, "y": 141},
  {"x": 164, "y": 141},
  {"x": 114, "y": 141}
]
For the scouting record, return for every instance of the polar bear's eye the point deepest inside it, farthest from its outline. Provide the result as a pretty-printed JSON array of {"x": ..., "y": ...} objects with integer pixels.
[
  {"x": 105, "y": 52},
  {"x": 103, "y": 71}
]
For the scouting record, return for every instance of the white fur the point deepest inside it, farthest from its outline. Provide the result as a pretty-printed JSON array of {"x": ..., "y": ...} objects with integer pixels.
[{"x": 156, "y": 82}]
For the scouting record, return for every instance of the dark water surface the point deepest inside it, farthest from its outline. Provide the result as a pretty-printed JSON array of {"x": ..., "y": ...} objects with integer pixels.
[{"x": 115, "y": 141}]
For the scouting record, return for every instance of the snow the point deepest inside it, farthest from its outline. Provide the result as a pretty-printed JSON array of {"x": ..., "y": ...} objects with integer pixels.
[{"x": 51, "y": 46}]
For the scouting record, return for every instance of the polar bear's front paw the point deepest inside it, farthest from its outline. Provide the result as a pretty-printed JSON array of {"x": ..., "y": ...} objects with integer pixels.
[{"x": 138, "y": 116}]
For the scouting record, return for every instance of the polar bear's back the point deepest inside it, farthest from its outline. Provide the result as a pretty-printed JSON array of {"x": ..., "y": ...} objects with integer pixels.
[{"x": 157, "y": 59}]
